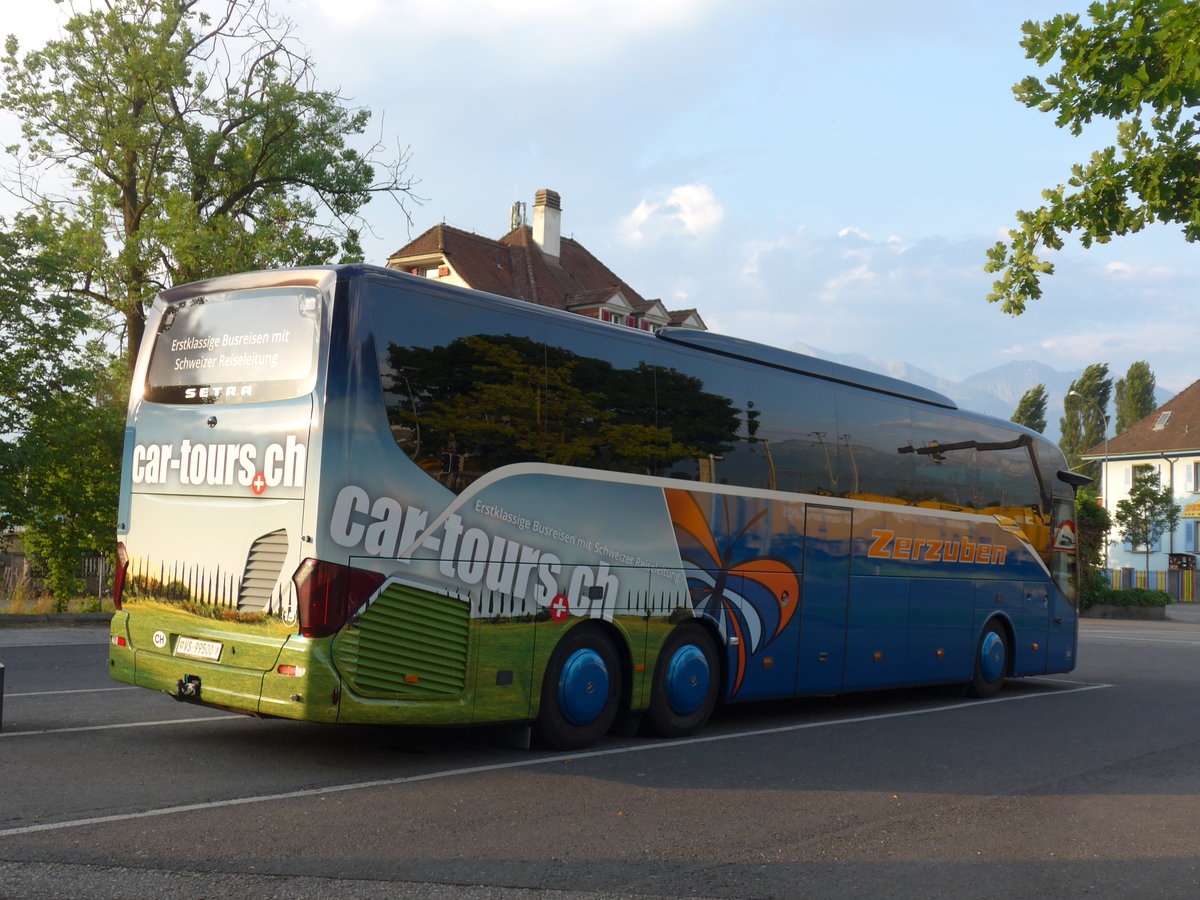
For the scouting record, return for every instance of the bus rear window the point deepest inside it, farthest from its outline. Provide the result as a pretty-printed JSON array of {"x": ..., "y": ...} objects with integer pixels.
[{"x": 239, "y": 347}]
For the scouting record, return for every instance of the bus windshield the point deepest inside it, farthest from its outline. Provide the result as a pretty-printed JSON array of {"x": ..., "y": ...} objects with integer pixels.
[{"x": 239, "y": 347}]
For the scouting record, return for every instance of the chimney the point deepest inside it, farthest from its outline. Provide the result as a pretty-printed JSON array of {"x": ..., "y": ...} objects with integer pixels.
[{"x": 547, "y": 222}]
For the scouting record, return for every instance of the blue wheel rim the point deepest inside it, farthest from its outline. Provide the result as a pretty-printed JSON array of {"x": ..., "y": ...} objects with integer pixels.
[
  {"x": 583, "y": 687},
  {"x": 688, "y": 678},
  {"x": 993, "y": 661}
]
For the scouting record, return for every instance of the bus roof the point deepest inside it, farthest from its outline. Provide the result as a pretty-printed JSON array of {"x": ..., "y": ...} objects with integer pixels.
[
  {"x": 706, "y": 341},
  {"x": 806, "y": 365}
]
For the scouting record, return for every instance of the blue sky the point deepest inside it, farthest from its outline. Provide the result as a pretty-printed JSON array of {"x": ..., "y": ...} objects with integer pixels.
[{"x": 800, "y": 172}]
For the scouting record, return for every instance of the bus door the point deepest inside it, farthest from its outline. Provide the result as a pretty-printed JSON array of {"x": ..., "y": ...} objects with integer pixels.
[{"x": 825, "y": 592}]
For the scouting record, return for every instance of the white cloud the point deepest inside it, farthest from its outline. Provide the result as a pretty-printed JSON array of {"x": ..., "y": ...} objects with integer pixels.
[
  {"x": 689, "y": 209},
  {"x": 1137, "y": 338},
  {"x": 1141, "y": 272},
  {"x": 835, "y": 288},
  {"x": 538, "y": 31}
]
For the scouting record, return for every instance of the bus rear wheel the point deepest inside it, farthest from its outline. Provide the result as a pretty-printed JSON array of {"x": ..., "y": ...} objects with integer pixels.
[
  {"x": 991, "y": 662},
  {"x": 581, "y": 691},
  {"x": 686, "y": 680}
]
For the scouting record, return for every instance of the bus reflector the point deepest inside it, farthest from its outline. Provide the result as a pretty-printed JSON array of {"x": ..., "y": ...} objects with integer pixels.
[
  {"x": 118, "y": 641},
  {"x": 119, "y": 574},
  {"x": 411, "y": 679},
  {"x": 328, "y": 593}
]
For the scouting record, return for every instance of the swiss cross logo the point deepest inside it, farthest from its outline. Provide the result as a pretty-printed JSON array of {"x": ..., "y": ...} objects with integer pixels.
[
  {"x": 258, "y": 484},
  {"x": 559, "y": 608}
]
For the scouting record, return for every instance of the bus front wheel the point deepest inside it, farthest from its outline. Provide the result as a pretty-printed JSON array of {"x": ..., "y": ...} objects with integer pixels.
[
  {"x": 581, "y": 691},
  {"x": 686, "y": 680},
  {"x": 992, "y": 662}
]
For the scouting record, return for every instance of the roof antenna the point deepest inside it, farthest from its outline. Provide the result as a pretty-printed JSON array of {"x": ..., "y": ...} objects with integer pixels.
[{"x": 516, "y": 218}]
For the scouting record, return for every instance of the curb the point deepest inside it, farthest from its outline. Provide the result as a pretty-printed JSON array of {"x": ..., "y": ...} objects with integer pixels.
[{"x": 58, "y": 619}]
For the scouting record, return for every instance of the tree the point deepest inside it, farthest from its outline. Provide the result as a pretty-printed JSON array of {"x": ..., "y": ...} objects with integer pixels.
[
  {"x": 64, "y": 472},
  {"x": 39, "y": 323},
  {"x": 191, "y": 146},
  {"x": 1135, "y": 396},
  {"x": 1031, "y": 411},
  {"x": 1093, "y": 524},
  {"x": 1135, "y": 63},
  {"x": 1084, "y": 423},
  {"x": 1148, "y": 513}
]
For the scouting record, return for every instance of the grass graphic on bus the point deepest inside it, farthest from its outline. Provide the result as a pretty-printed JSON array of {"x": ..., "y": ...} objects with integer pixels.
[{"x": 212, "y": 596}]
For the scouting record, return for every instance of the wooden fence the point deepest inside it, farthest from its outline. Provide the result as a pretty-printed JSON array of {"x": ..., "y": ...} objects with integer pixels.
[{"x": 1181, "y": 584}]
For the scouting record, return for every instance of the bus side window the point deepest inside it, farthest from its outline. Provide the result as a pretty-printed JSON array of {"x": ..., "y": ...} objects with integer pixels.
[
  {"x": 705, "y": 415},
  {"x": 871, "y": 434},
  {"x": 795, "y": 425},
  {"x": 464, "y": 386}
]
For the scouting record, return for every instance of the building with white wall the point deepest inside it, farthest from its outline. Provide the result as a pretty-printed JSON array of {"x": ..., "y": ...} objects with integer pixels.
[{"x": 1167, "y": 441}]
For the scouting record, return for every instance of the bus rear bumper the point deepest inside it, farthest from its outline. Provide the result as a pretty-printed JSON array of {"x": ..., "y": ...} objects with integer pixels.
[{"x": 301, "y": 686}]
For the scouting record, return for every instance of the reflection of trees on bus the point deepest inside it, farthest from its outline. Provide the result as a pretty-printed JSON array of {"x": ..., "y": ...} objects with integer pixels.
[
  {"x": 479, "y": 402},
  {"x": 485, "y": 401}
]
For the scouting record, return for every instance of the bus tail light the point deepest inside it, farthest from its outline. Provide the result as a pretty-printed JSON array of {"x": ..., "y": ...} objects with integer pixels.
[
  {"x": 328, "y": 593},
  {"x": 119, "y": 574}
]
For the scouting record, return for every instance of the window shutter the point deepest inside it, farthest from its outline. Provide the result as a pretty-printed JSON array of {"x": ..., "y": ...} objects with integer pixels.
[
  {"x": 1129, "y": 476},
  {"x": 1189, "y": 536},
  {"x": 1189, "y": 477}
]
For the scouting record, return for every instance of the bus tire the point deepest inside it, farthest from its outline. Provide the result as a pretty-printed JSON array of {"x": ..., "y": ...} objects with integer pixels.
[
  {"x": 581, "y": 691},
  {"x": 993, "y": 659},
  {"x": 687, "y": 678}
]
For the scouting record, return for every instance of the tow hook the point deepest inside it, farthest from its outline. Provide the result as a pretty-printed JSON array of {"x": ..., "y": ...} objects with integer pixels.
[{"x": 187, "y": 688}]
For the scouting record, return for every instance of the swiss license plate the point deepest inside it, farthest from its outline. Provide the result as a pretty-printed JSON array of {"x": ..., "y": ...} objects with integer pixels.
[{"x": 198, "y": 649}]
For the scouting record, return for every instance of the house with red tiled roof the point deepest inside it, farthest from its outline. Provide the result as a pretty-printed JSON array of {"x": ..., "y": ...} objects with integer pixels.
[
  {"x": 1167, "y": 441},
  {"x": 534, "y": 262}
]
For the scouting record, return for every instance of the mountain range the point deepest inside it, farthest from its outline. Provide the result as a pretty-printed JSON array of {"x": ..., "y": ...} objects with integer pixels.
[{"x": 995, "y": 392}]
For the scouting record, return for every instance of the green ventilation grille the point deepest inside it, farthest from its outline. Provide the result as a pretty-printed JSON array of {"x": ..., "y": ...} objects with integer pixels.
[{"x": 408, "y": 643}]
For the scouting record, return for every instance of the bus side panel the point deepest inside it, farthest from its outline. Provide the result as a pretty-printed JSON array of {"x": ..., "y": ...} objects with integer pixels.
[
  {"x": 771, "y": 671},
  {"x": 503, "y": 682},
  {"x": 826, "y": 596},
  {"x": 877, "y": 628},
  {"x": 941, "y": 634}
]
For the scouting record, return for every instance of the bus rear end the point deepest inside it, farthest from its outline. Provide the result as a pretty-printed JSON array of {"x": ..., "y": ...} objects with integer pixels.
[{"x": 220, "y": 453}]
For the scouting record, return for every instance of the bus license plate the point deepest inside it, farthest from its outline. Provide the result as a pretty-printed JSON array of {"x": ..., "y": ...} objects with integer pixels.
[{"x": 198, "y": 649}]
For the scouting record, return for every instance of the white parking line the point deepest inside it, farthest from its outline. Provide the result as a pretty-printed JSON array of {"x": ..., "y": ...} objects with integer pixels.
[
  {"x": 512, "y": 764},
  {"x": 1143, "y": 638},
  {"x": 117, "y": 726},
  {"x": 74, "y": 691}
]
